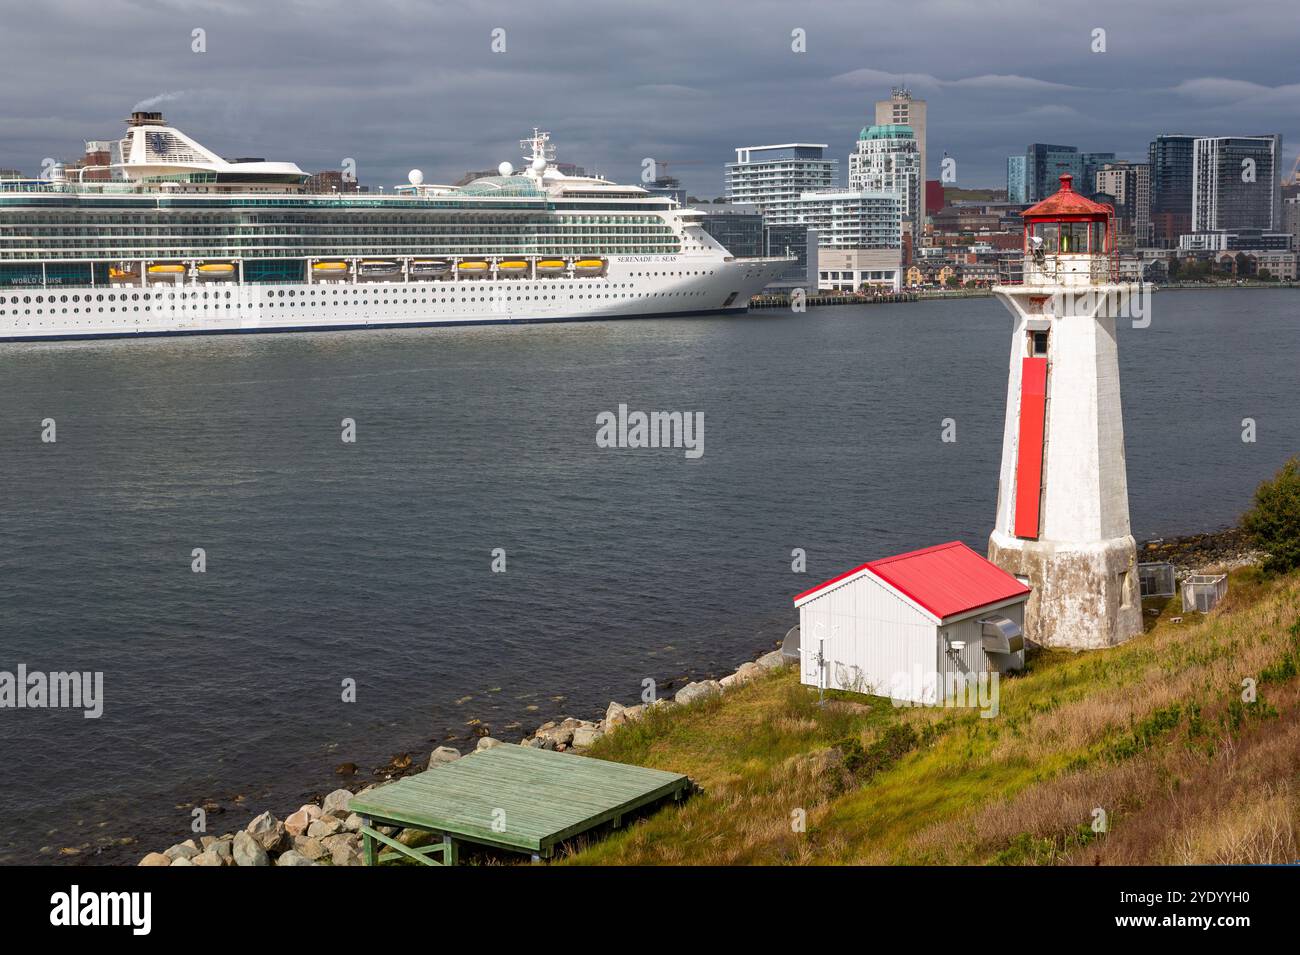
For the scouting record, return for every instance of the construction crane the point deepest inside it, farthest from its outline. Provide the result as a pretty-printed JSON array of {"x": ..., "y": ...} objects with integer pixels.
[{"x": 1294, "y": 178}]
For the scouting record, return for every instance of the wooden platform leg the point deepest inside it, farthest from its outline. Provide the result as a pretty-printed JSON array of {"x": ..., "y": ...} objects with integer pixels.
[
  {"x": 448, "y": 850},
  {"x": 368, "y": 844}
]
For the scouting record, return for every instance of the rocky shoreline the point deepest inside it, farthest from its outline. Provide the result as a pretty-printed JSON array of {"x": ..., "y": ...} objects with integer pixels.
[
  {"x": 1196, "y": 553},
  {"x": 328, "y": 832}
]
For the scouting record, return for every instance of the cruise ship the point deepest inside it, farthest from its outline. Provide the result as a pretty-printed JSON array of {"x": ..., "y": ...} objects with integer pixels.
[{"x": 176, "y": 240}]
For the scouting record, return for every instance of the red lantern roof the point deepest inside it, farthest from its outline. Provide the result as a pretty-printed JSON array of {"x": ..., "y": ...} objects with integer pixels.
[{"x": 1067, "y": 202}]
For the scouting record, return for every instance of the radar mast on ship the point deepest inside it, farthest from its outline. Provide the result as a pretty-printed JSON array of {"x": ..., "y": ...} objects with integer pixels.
[{"x": 538, "y": 150}]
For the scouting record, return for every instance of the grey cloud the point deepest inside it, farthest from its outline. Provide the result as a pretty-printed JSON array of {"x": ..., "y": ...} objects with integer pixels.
[{"x": 398, "y": 84}]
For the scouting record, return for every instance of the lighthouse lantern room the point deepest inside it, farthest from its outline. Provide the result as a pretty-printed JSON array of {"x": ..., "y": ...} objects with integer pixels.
[{"x": 1062, "y": 516}]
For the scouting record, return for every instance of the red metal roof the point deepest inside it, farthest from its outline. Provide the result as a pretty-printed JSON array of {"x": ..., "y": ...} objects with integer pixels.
[
  {"x": 947, "y": 579},
  {"x": 1067, "y": 202}
]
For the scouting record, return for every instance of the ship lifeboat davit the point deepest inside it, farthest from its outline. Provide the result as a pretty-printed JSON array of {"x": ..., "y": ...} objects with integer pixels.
[
  {"x": 216, "y": 271},
  {"x": 551, "y": 267},
  {"x": 378, "y": 268},
  {"x": 589, "y": 267},
  {"x": 329, "y": 270},
  {"x": 426, "y": 267},
  {"x": 473, "y": 267},
  {"x": 512, "y": 268}
]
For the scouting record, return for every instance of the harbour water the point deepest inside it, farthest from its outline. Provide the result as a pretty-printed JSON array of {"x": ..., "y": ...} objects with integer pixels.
[{"x": 329, "y": 562}]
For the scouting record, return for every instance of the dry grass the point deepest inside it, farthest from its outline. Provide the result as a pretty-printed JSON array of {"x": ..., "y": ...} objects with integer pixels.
[{"x": 1154, "y": 733}]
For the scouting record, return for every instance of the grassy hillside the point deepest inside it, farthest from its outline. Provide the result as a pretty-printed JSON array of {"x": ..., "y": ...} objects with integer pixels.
[{"x": 1155, "y": 733}]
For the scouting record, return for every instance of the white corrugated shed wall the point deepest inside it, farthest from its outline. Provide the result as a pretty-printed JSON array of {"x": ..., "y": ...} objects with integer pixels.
[
  {"x": 876, "y": 642},
  {"x": 973, "y": 659}
]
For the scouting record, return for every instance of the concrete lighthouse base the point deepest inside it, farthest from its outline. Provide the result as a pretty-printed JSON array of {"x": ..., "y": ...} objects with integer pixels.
[{"x": 1085, "y": 596}]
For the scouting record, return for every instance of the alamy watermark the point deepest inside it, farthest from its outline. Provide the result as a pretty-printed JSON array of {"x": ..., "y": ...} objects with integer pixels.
[
  {"x": 1134, "y": 303},
  {"x": 37, "y": 690},
  {"x": 954, "y": 689},
  {"x": 124, "y": 909},
  {"x": 651, "y": 429}
]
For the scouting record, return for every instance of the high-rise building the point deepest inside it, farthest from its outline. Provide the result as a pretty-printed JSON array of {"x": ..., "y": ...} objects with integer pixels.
[
  {"x": 902, "y": 109},
  {"x": 854, "y": 219},
  {"x": 1170, "y": 159},
  {"x": 934, "y": 198},
  {"x": 1129, "y": 186},
  {"x": 1090, "y": 164},
  {"x": 738, "y": 228},
  {"x": 1291, "y": 220},
  {"x": 886, "y": 160},
  {"x": 1235, "y": 183},
  {"x": 330, "y": 181},
  {"x": 774, "y": 177},
  {"x": 1017, "y": 188},
  {"x": 859, "y": 238},
  {"x": 1045, "y": 163}
]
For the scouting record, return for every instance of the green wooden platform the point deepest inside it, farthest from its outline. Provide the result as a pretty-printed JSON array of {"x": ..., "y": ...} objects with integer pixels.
[{"x": 509, "y": 797}]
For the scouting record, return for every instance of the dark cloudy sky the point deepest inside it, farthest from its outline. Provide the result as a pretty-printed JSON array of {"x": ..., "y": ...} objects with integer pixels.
[{"x": 398, "y": 84}]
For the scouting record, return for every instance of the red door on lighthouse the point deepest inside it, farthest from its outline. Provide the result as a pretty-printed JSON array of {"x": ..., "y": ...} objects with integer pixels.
[{"x": 1029, "y": 461}]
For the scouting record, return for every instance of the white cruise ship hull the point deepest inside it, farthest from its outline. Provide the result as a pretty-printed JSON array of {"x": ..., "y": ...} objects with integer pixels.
[{"x": 634, "y": 286}]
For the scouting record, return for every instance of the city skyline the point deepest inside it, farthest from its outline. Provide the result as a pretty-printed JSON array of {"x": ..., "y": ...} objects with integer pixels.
[{"x": 689, "y": 85}]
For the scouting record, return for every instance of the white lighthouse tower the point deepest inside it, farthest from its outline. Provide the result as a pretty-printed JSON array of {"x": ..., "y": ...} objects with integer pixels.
[{"x": 1062, "y": 521}]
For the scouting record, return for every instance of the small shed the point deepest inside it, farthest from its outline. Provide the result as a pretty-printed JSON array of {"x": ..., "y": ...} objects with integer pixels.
[{"x": 907, "y": 626}]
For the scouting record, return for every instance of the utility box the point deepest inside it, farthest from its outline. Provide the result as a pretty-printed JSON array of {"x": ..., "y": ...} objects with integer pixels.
[
  {"x": 1201, "y": 592},
  {"x": 1157, "y": 579}
]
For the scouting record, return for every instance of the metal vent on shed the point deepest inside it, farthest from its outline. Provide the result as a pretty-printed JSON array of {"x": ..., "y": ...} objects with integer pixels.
[
  {"x": 1001, "y": 635},
  {"x": 790, "y": 645}
]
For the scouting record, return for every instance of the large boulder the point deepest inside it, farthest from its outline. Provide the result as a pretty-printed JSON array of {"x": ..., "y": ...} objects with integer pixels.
[
  {"x": 614, "y": 713},
  {"x": 414, "y": 838},
  {"x": 248, "y": 851},
  {"x": 486, "y": 742},
  {"x": 584, "y": 736},
  {"x": 560, "y": 735},
  {"x": 744, "y": 673},
  {"x": 697, "y": 691},
  {"x": 748, "y": 671},
  {"x": 325, "y": 826},
  {"x": 336, "y": 804},
  {"x": 296, "y": 823},
  {"x": 155, "y": 858},
  {"x": 353, "y": 823},
  {"x": 344, "y": 849},
  {"x": 772, "y": 661},
  {"x": 223, "y": 849},
  {"x": 309, "y": 848},
  {"x": 182, "y": 850},
  {"x": 293, "y": 857},
  {"x": 345, "y": 855},
  {"x": 181, "y": 860},
  {"x": 207, "y": 857},
  {"x": 268, "y": 831},
  {"x": 342, "y": 839},
  {"x": 443, "y": 755}
]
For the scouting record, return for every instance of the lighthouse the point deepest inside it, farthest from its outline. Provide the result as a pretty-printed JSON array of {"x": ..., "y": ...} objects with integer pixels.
[{"x": 1062, "y": 516}]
